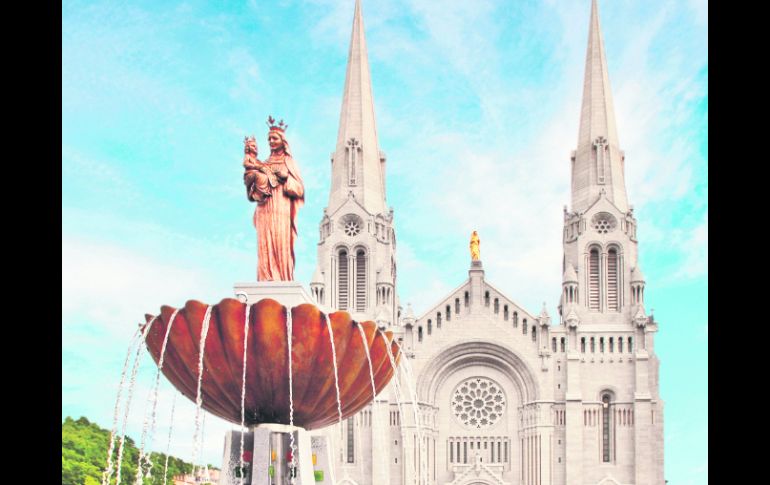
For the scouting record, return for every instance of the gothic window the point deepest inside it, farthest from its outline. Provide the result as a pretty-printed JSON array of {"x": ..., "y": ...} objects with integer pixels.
[
  {"x": 606, "y": 428},
  {"x": 620, "y": 344},
  {"x": 419, "y": 334},
  {"x": 593, "y": 279},
  {"x": 505, "y": 312},
  {"x": 342, "y": 280},
  {"x": 604, "y": 222},
  {"x": 534, "y": 333},
  {"x": 593, "y": 345},
  {"x": 486, "y": 299},
  {"x": 438, "y": 320},
  {"x": 430, "y": 327},
  {"x": 360, "y": 281},
  {"x": 583, "y": 344},
  {"x": 553, "y": 344},
  {"x": 612, "y": 280},
  {"x": 524, "y": 327},
  {"x": 457, "y": 306},
  {"x": 351, "y": 443},
  {"x": 515, "y": 319},
  {"x": 448, "y": 313},
  {"x": 563, "y": 344},
  {"x": 467, "y": 299},
  {"x": 497, "y": 306}
]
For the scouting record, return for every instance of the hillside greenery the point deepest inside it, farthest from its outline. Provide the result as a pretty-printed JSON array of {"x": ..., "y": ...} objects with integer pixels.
[{"x": 84, "y": 448}]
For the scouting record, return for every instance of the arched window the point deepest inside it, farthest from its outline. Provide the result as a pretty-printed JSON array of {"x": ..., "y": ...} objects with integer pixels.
[
  {"x": 486, "y": 298},
  {"x": 342, "y": 280},
  {"x": 620, "y": 344},
  {"x": 583, "y": 344},
  {"x": 612, "y": 346},
  {"x": 534, "y": 333},
  {"x": 593, "y": 279},
  {"x": 505, "y": 312},
  {"x": 351, "y": 443},
  {"x": 515, "y": 319},
  {"x": 613, "y": 303},
  {"x": 457, "y": 306},
  {"x": 553, "y": 344},
  {"x": 360, "y": 280},
  {"x": 524, "y": 327},
  {"x": 630, "y": 345},
  {"x": 467, "y": 299},
  {"x": 430, "y": 327},
  {"x": 601, "y": 344},
  {"x": 419, "y": 334},
  {"x": 448, "y": 313},
  {"x": 438, "y": 319},
  {"x": 497, "y": 306},
  {"x": 563, "y": 344},
  {"x": 593, "y": 345},
  {"x": 606, "y": 432}
]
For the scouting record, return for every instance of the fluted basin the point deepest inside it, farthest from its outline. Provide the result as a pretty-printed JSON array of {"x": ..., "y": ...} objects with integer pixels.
[{"x": 267, "y": 364}]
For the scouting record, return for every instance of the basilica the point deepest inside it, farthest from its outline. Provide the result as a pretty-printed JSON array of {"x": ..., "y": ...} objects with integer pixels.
[{"x": 492, "y": 393}]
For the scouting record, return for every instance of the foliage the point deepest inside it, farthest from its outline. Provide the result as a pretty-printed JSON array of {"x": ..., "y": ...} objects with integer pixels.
[{"x": 84, "y": 456}]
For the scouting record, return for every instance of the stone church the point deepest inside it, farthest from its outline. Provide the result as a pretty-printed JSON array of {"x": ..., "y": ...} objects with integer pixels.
[{"x": 501, "y": 395}]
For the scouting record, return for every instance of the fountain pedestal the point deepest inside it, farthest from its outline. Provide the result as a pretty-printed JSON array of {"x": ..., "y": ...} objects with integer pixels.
[
  {"x": 287, "y": 293},
  {"x": 268, "y": 459}
]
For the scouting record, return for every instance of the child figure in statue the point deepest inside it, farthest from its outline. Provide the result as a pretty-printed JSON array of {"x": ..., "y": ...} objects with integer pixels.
[{"x": 276, "y": 186}]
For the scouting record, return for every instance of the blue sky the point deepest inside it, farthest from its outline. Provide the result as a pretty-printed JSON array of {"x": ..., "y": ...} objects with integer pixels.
[{"x": 157, "y": 97}]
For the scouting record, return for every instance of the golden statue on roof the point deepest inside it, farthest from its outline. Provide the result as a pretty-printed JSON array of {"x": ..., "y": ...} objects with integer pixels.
[{"x": 475, "y": 241}]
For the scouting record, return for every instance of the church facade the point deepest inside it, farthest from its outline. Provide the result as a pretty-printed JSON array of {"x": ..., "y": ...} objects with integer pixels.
[{"x": 491, "y": 393}]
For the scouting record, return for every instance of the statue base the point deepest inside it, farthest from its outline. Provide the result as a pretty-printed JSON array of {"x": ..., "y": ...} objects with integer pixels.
[
  {"x": 287, "y": 293},
  {"x": 267, "y": 457}
]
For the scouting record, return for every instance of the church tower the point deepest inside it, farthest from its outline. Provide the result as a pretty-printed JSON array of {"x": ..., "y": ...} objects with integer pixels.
[
  {"x": 602, "y": 280},
  {"x": 611, "y": 367},
  {"x": 356, "y": 265}
]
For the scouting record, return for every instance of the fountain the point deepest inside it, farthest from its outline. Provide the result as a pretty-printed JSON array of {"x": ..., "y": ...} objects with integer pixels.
[{"x": 270, "y": 361}]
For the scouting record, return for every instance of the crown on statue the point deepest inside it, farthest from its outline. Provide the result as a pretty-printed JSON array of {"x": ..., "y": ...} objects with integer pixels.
[{"x": 281, "y": 126}]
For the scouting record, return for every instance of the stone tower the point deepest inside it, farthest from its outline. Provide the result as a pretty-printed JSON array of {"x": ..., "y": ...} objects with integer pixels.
[
  {"x": 602, "y": 299},
  {"x": 356, "y": 265}
]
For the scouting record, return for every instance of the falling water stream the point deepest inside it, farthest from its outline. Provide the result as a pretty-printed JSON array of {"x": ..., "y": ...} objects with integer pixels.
[
  {"x": 336, "y": 374},
  {"x": 108, "y": 471},
  {"x": 153, "y": 404},
  {"x": 411, "y": 385},
  {"x": 423, "y": 471},
  {"x": 168, "y": 443},
  {"x": 199, "y": 397},
  {"x": 292, "y": 447},
  {"x": 375, "y": 417},
  {"x": 243, "y": 385},
  {"x": 129, "y": 396}
]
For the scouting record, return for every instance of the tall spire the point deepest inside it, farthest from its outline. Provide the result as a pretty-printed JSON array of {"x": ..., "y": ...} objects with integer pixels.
[
  {"x": 357, "y": 165},
  {"x": 598, "y": 161}
]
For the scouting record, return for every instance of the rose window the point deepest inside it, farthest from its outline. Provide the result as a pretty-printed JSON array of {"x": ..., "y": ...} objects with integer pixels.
[
  {"x": 352, "y": 228},
  {"x": 478, "y": 402},
  {"x": 604, "y": 222}
]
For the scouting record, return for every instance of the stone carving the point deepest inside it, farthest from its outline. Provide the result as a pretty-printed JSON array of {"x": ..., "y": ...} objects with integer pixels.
[
  {"x": 276, "y": 186},
  {"x": 475, "y": 251}
]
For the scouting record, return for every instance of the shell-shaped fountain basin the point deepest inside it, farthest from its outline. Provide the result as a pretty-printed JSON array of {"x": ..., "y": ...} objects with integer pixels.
[{"x": 267, "y": 361}]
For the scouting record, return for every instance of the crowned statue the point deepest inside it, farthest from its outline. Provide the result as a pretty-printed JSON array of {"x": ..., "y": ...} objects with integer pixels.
[{"x": 276, "y": 186}]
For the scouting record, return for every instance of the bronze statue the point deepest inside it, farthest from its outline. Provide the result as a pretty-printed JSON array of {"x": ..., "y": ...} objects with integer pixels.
[
  {"x": 276, "y": 186},
  {"x": 475, "y": 241}
]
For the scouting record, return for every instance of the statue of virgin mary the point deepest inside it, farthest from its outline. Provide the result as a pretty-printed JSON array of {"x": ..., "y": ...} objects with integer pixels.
[{"x": 276, "y": 186}]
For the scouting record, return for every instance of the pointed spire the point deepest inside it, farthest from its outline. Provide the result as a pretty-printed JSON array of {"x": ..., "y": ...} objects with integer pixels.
[
  {"x": 598, "y": 160},
  {"x": 357, "y": 166}
]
